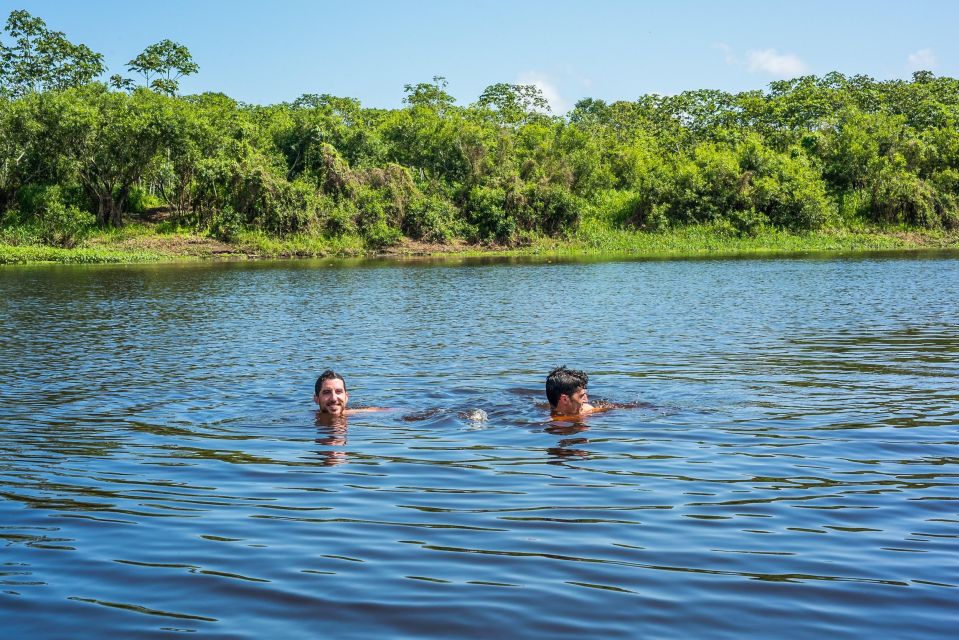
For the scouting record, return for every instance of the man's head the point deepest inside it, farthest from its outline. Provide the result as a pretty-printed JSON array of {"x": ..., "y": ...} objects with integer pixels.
[
  {"x": 566, "y": 390},
  {"x": 330, "y": 393}
]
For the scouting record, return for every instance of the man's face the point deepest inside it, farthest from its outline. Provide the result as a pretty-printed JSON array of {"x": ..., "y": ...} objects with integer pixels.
[
  {"x": 574, "y": 403},
  {"x": 332, "y": 397}
]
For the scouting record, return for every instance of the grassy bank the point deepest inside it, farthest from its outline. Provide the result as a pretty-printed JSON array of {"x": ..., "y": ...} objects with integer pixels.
[
  {"x": 143, "y": 242},
  {"x": 705, "y": 240}
]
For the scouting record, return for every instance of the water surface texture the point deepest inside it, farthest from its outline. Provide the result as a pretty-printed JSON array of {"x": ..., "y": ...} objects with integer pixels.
[{"x": 789, "y": 469}]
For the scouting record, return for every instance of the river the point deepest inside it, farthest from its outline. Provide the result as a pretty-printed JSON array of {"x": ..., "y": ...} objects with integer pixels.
[{"x": 787, "y": 464}]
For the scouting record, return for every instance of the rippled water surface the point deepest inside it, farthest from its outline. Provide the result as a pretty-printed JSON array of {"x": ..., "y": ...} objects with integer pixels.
[{"x": 789, "y": 468}]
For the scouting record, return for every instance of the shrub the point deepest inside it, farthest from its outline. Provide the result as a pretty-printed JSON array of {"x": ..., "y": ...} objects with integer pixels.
[
  {"x": 431, "y": 218},
  {"x": 552, "y": 208},
  {"x": 140, "y": 200},
  {"x": 380, "y": 235},
  {"x": 54, "y": 212},
  {"x": 226, "y": 224},
  {"x": 486, "y": 210},
  {"x": 746, "y": 183},
  {"x": 784, "y": 187},
  {"x": 341, "y": 218}
]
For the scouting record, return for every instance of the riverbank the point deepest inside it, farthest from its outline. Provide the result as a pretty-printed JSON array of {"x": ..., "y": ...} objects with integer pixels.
[{"x": 143, "y": 242}]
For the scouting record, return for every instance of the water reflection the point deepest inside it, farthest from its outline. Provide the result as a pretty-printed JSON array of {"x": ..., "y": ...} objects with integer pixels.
[
  {"x": 567, "y": 447},
  {"x": 331, "y": 431}
]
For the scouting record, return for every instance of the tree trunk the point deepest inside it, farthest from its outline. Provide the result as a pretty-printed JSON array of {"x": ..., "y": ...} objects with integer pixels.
[
  {"x": 116, "y": 215},
  {"x": 109, "y": 210},
  {"x": 103, "y": 209}
]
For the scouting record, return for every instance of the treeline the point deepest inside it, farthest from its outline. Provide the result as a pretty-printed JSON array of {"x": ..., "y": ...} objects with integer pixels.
[{"x": 806, "y": 153}]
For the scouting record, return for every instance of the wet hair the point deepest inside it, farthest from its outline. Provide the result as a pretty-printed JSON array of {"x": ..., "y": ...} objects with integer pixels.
[
  {"x": 329, "y": 374},
  {"x": 563, "y": 381}
]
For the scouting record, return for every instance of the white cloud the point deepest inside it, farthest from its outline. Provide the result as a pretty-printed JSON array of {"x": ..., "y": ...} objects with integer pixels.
[
  {"x": 728, "y": 53},
  {"x": 770, "y": 61},
  {"x": 922, "y": 60},
  {"x": 548, "y": 89}
]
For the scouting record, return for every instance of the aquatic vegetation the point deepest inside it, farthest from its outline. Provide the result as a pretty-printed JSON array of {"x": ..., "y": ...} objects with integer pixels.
[{"x": 24, "y": 254}]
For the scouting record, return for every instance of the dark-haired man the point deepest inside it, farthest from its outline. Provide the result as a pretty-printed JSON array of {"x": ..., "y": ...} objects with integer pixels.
[
  {"x": 566, "y": 392},
  {"x": 330, "y": 393}
]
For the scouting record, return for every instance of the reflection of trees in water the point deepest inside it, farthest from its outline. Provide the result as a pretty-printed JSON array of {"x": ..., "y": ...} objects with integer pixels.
[
  {"x": 331, "y": 431},
  {"x": 567, "y": 446}
]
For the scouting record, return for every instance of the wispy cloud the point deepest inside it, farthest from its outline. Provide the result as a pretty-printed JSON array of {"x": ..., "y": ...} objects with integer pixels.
[
  {"x": 766, "y": 61},
  {"x": 548, "y": 89},
  {"x": 728, "y": 54},
  {"x": 922, "y": 60},
  {"x": 771, "y": 62}
]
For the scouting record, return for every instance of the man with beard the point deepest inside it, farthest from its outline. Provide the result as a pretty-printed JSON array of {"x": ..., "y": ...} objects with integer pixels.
[{"x": 330, "y": 394}]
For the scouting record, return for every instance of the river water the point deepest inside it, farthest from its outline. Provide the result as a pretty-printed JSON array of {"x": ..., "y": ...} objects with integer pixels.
[{"x": 789, "y": 465}]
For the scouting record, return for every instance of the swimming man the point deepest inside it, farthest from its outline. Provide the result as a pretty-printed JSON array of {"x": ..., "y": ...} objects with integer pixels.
[
  {"x": 330, "y": 393},
  {"x": 566, "y": 392}
]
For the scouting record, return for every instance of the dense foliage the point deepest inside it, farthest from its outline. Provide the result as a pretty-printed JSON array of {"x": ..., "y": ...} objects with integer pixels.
[{"x": 806, "y": 153}]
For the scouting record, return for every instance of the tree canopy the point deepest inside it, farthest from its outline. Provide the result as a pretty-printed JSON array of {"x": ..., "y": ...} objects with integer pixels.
[
  {"x": 805, "y": 153},
  {"x": 38, "y": 59}
]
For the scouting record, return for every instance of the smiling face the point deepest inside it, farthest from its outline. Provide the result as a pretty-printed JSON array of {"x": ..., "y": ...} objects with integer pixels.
[
  {"x": 574, "y": 403},
  {"x": 332, "y": 397}
]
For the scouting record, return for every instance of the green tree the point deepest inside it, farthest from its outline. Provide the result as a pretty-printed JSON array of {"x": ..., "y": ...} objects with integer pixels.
[
  {"x": 432, "y": 95},
  {"x": 38, "y": 59},
  {"x": 107, "y": 140},
  {"x": 514, "y": 103},
  {"x": 161, "y": 65}
]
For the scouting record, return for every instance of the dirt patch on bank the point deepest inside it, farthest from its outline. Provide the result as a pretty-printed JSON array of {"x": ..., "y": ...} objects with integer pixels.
[
  {"x": 196, "y": 246},
  {"x": 946, "y": 239},
  {"x": 417, "y": 248},
  {"x": 173, "y": 245}
]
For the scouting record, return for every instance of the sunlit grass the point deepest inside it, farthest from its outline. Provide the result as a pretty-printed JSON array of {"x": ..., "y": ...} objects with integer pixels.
[
  {"x": 708, "y": 240},
  {"x": 10, "y": 254},
  {"x": 139, "y": 242}
]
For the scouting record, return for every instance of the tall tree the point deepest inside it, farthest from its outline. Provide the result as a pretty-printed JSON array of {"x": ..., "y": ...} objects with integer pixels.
[
  {"x": 431, "y": 95},
  {"x": 38, "y": 59},
  {"x": 514, "y": 103},
  {"x": 161, "y": 65}
]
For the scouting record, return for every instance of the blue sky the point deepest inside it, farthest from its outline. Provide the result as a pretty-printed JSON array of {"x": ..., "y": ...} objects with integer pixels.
[{"x": 267, "y": 52}]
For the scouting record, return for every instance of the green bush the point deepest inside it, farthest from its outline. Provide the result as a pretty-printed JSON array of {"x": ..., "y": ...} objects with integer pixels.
[
  {"x": 486, "y": 211},
  {"x": 690, "y": 190},
  {"x": 747, "y": 222},
  {"x": 946, "y": 183},
  {"x": 431, "y": 218},
  {"x": 17, "y": 234},
  {"x": 552, "y": 208},
  {"x": 380, "y": 235},
  {"x": 340, "y": 218},
  {"x": 227, "y": 224},
  {"x": 141, "y": 200},
  {"x": 53, "y": 213},
  {"x": 747, "y": 183},
  {"x": 898, "y": 195},
  {"x": 286, "y": 207},
  {"x": 66, "y": 226},
  {"x": 784, "y": 187}
]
